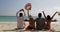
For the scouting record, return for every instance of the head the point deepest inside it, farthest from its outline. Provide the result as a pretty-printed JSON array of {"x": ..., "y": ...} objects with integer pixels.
[
  {"x": 39, "y": 15},
  {"x": 30, "y": 16},
  {"x": 20, "y": 14},
  {"x": 48, "y": 17},
  {"x": 28, "y": 6},
  {"x": 21, "y": 9}
]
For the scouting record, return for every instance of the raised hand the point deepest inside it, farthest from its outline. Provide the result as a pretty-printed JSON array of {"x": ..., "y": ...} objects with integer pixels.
[
  {"x": 58, "y": 13},
  {"x": 44, "y": 14},
  {"x": 21, "y": 10},
  {"x": 54, "y": 15}
]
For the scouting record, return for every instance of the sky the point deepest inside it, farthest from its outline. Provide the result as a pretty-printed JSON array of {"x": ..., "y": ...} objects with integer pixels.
[{"x": 10, "y": 7}]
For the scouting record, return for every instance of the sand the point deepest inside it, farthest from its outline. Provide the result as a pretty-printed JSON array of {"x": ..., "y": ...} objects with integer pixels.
[{"x": 13, "y": 25}]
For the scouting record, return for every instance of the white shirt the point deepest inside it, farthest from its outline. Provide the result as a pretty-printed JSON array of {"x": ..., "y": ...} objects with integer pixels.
[{"x": 20, "y": 22}]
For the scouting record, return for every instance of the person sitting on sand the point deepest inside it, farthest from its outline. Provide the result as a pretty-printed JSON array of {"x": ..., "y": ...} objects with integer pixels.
[
  {"x": 48, "y": 20},
  {"x": 40, "y": 22},
  {"x": 20, "y": 19},
  {"x": 31, "y": 23}
]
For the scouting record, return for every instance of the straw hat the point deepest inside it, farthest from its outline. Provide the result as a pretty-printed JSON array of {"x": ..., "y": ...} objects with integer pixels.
[{"x": 28, "y": 6}]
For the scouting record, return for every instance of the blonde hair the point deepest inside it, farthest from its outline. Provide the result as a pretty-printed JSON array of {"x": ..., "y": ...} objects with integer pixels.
[{"x": 30, "y": 16}]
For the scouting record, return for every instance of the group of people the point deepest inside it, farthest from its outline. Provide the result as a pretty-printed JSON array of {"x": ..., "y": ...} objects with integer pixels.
[{"x": 41, "y": 23}]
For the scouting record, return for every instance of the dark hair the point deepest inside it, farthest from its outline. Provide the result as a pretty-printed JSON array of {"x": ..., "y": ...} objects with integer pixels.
[
  {"x": 48, "y": 17},
  {"x": 20, "y": 14},
  {"x": 39, "y": 15}
]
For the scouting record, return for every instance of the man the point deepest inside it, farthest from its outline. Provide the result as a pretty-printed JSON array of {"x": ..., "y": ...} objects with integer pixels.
[{"x": 40, "y": 22}]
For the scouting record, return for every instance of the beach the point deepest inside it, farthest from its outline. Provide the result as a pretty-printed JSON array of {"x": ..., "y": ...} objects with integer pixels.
[
  {"x": 13, "y": 25},
  {"x": 7, "y": 25}
]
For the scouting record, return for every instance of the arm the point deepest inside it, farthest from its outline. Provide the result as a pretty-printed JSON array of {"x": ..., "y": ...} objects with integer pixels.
[
  {"x": 26, "y": 20},
  {"x": 28, "y": 13},
  {"x": 24, "y": 13},
  {"x": 17, "y": 13},
  {"x": 54, "y": 20},
  {"x": 44, "y": 14},
  {"x": 53, "y": 15}
]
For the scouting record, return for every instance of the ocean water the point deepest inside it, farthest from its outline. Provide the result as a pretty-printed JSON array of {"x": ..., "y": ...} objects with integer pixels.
[
  {"x": 14, "y": 19},
  {"x": 11, "y": 18}
]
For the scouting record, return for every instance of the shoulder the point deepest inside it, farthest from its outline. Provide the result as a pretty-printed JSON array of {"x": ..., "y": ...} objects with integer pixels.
[
  {"x": 42, "y": 18},
  {"x": 36, "y": 19}
]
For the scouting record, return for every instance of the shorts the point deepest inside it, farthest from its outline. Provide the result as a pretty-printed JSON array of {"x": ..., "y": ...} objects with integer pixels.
[{"x": 29, "y": 28}]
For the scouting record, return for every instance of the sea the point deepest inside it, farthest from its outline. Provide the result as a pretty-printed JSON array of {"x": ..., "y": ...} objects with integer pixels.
[
  {"x": 14, "y": 19},
  {"x": 11, "y": 18}
]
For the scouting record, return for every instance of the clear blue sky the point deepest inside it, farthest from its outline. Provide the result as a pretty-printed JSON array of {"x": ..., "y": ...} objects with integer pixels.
[{"x": 10, "y": 7}]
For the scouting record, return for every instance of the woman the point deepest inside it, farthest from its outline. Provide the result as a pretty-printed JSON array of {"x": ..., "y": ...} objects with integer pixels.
[
  {"x": 31, "y": 23},
  {"x": 20, "y": 19},
  {"x": 48, "y": 20}
]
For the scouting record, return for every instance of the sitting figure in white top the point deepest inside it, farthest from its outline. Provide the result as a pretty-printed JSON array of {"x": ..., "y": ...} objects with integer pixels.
[{"x": 20, "y": 19}]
